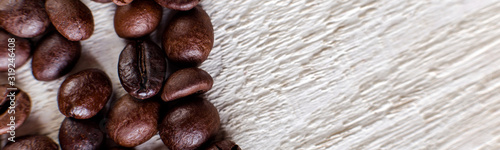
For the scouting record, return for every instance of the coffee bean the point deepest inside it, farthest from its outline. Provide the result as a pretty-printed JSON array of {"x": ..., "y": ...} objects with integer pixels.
[
  {"x": 189, "y": 37},
  {"x": 224, "y": 145},
  {"x": 178, "y": 4},
  {"x": 189, "y": 123},
  {"x": 133, "y": 122},
  {"x": 122, "y": 2},
  {"x": 20, "y": 47},
  {"x": 137, "y": 19},
  {"x": 13, "y": 103},
  {"x": 54, "y": 57},
  {"x": 72, "y": 18},
  {"x": 84, "y": 94},
  {"x": 23, "y": 18},
  {"x": 32, "y": 142},
  {"x": 80, "y": 134},
  {"x": 102, "y": 1},
  {"x": 141, "y": 68},
  {"x": 186, "y": 82}
]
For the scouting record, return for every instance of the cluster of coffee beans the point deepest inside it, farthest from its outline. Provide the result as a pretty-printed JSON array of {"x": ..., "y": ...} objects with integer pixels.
[{"x": 171, "y": 104}]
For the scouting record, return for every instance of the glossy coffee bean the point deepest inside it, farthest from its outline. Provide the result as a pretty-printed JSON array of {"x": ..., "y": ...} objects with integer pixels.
[
  {"x": 189, "y": 123},
  {"x": 139, "y": 18},
  {"x": 15, "y": 107},
  {"x": 32, "y": 142},
  {"x": 21, "y": 48},
  {"x": 189, "y": 37},
  {"x": 80, "y": 134},
  {"x": 186, "y": 82},
  {"x": 224, "y": 145},
  {"x": 141, "y": 68},
  {"x": 83, "y": 94},
  {"x": 23, "y": 18},
  {"x": 54, "y": 57},
  {"x": 132, "y": 122},
  {"x": 178, "y": 4},
  {"x": 72, "y": 18},
  {"x": 122, "y": 2}
]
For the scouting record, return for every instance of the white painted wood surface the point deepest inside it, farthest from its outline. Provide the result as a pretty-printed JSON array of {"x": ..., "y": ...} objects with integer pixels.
[{"x": 331, "y": 74}]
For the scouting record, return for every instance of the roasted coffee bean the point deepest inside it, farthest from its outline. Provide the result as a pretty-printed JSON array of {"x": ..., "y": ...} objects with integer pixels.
[
  {"x": 16, "y": 51},
  {"x": 137, "y": 19},
  {"x": 54, "y": 57},
  {"x": 132, "y": 122},
  {"x": 32, "y": 142},
  {"x": 15, "y": 107},
  {"x": 178, "y": 4},
  {"x": 122, "y": 2},
  {"x": 224, "y": 145},
  {"x": 84, "y": 94},
  {"x": 185, "y": 82},
  {"x": 141, "y": 68},
  {"x": 23, "y": 18},
  {"x": 189, "y": 123},
  {"x": 189, "y": 37},
  {"x": 80, "y": 134},
  {"x": 72, "y": 18},
  {"x": 102, "y": 1}
]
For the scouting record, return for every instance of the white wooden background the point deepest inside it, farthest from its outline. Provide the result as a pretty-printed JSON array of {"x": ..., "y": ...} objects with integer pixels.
[{"x": 331, "y": 74}]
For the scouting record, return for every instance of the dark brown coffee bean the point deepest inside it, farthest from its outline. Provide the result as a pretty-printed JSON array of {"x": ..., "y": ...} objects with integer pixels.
[
  {"x": 178, "y": 4},
  {"x": 102, "y": 1},
  {"x": 122, "y": 2},
  {"x": 224, "y": 145},
  {"x": 189, "y": 123},
  {"x": 32, "y": 142},
  {"x": 11, "y": 44},
  {"x": 137, "y": 19},
  {"x": 23, "y": 18},
  {"x": 84, "y": 94},
  {"x": 189, "y": 37},
  {"x": 185, "y": 82},
  {"x": 132, "y": 122},
  {"x": 15, "y": 107},
  {"x": 54, "y": 57},
  {"x": 141, "y": 68},
  {"x": 72, "y": 18},
  {"x": 80, "y": 134}
]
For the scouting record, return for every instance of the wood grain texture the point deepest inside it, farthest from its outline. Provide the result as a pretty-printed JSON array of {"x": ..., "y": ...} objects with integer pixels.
[{"x": 323, "y": 74}]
